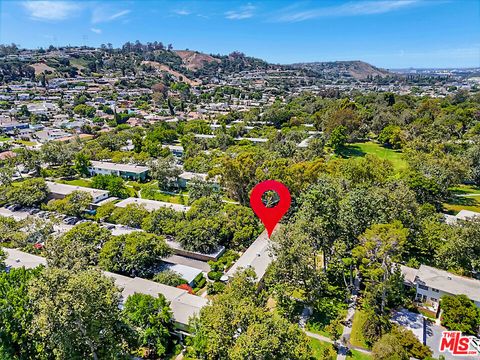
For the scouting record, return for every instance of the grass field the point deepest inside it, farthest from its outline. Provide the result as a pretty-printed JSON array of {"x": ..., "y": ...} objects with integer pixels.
[
  {"x": 160, "y": 196},
  {"x": 4, "y": 138},
  {"x": 468, "y": 198},
  {"x": 77, "y": 182},
  {"x": 356, "y": 337},
  {"x": 357, "y": 355},
  {"x": 361, "y": 149},
  {"x": 465, "y": 190},
  {"x": 318, "y": 347}
]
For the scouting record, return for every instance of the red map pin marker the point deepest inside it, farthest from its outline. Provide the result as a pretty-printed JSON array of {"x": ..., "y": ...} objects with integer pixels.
[{"x": 270, "y": 216}]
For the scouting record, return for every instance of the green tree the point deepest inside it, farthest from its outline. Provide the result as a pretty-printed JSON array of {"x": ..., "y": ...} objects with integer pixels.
[
  {"x": 16, "y": 315},
  {"x": 114, "y": 184},
  {"x": 411, "y": 344},
  {"x": 389, "y": 348},
  {"x": 238, "y": 174},
  {"x": 152, "y": 321},
  {"x": 73, "y": 204},
  {"x": 236, "y": 325},
  {"x": 137, "y": 253},
  {"x": 78, "y": 248},
  {"x": 162, "y": 221},
  {"x": 170, "y": 278},
  {"x": 165, "y": 172},
  {"x": 104, "y": 211},
  {"x": 85, "y": 110},
  {"x": 132, "y": 215},
  {"x": 379, "y": 249},
  {"x": 198, "y": 188},
  {"x": 77, "y": 315},
  {"x": 82, "y": 162},
  {"x": 30, "y": 192},
  {"x": 460, "y": 314},
  {"x": 202, "y": 235},
  {"x": 474, "y": 159},
  {"x": 338, "y": 138},
  {"x": 392, "y": 136},
  {"x": 7, "y": 170}
]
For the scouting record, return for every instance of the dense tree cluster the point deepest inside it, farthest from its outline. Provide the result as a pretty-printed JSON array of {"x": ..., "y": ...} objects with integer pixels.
[{"x": 57, "y": 313}]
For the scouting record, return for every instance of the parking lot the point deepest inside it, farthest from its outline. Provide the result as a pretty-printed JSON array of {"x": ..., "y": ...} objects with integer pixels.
[{"x": 61, "y": 223}]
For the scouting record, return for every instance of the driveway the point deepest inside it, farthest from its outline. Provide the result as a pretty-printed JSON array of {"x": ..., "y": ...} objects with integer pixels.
[{"x": 414, "y": 322}]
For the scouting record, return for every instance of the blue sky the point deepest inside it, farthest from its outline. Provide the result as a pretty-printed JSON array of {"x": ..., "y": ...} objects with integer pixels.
[{"x": 386, "y": 33}]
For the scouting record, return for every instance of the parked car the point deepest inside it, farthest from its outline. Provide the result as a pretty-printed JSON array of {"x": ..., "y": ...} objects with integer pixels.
[
  {"x": 13, "y": 207},
  {"x": 70, "y": 220}
]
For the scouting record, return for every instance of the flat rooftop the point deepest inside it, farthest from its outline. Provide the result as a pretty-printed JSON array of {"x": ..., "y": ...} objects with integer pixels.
[
  {"x": 65, "y": 189},
  {"x": 186, "y": 272},
  {"x": 105, "y": 165},
  {"x": 257, "y": 257},
  {"x": 152, "y": 205},
  {"x": 187, "y": 175},
  {"x": 175, "y": 245},
  {"x": 184, "y": 305}
]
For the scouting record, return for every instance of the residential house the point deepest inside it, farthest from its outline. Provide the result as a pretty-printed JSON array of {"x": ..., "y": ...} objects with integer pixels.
[
  {"x": 151, "y": 205},
  {"x": 432, "y": 283},
  {"x": 176, "y": 150},
  {"x": 184, "y": 305},
  {"x": 59, "y": 191},
  {"x": 257, "y": 257},
  {"x": 127, "y": 171},
  {"x": 11, "y": 125}
]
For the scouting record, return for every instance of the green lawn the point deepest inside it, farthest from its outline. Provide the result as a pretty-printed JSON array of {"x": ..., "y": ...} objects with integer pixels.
[
  {"x": 318, "y": 347},
  {"x": 357, "y": 355},
  {"x": 356, "y": 337},
  {"x": 160, "y": 196},
  {"x": 361, "y": 149},
  {"x": 457, "y": 203},
  {"x": 465, "y": 189},
  {"x": 4, "y": 138},
  {"x": 26, "y": 143},
  {"x": 427, "y": 313},
  {"x": 77, "y": 182},
  {"x": 318, "y": 322}
]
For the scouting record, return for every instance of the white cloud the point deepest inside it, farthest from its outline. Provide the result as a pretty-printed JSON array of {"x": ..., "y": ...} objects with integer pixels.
[
  {"x": 100, "y": 15},
  {"x": 50, "y": 10},
  {"x": 245, "y": 12},
  {"x": 96, "y": 31},
  {"x": 348, "y": 9},
  {"x": 182, "y": 12}
]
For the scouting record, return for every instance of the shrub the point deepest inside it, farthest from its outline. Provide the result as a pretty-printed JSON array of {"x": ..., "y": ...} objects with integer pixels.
[
  {"x": 200, "y": 281},
  {"x": 215, "y": 275},
  {"x": 170, "y": 278},
  {"x": 215, "y": 287}
]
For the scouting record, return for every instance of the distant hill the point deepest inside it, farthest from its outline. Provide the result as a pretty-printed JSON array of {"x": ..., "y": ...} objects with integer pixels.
[
  {"x": 356, "y": 69},
  {"x": 190, "y": 66},
  {"x": 194, "y": 60}
]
